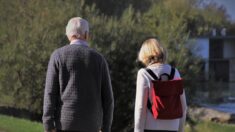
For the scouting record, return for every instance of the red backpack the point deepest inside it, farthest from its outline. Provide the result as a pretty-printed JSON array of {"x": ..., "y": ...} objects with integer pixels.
[{"x": 166, "y": 103}]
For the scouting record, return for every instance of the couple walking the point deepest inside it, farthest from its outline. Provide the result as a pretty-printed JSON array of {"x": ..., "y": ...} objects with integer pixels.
[{"x": 78, "y": 94}]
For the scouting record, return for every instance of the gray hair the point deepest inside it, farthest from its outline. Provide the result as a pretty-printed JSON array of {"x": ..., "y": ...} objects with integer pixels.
[{"x": 77, "y": 26}]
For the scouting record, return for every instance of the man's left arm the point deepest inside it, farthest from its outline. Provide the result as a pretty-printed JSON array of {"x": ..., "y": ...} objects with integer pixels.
[
  {"x": 51, "y": 93},
  {"x": 107, "y": 98}
]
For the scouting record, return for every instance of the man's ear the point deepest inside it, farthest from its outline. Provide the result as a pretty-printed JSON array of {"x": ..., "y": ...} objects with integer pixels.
[
  {"x": 86, "y": 36},
  {"x": 69, "y": 38}
]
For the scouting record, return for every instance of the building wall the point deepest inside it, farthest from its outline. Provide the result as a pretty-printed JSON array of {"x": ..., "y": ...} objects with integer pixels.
[
  {"x": 229, "y": 49},
  {"x": 201, "y": 47},
  {"x": 232, "y": 75},
  {"x": 232, "y": 70}
]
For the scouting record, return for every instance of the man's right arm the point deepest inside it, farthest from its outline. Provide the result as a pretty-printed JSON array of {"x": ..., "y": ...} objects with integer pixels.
[
  {"x": 107, "y": 98},
  {"x": 51, "y": 93}
]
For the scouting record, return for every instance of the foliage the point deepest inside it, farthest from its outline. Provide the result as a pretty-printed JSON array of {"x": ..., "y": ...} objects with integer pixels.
[
  {"x": 201, "y": 21},
  {"x": 167, "y": 21},
  {"x": 119, "y": 42},
  {"x": 25, "y": 52},
  {"x": 111, "y": 7},
  {"x": 30, "y": 31}
]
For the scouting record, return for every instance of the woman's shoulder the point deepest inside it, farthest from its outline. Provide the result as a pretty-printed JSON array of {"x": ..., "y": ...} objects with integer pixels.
[
  {"x": 160, "y": 67},
  {"x": 141, "y": 71},
  {"x": 163, "y": 68}
]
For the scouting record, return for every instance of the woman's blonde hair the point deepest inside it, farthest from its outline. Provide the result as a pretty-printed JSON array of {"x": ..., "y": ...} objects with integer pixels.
[{"x": 151, "y": 52}]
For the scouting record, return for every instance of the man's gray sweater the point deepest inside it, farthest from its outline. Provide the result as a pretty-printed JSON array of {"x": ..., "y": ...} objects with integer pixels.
[{"x": 78, "y": 93}]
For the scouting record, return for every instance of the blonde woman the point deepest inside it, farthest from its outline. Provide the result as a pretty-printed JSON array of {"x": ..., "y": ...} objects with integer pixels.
[{"x": 154, "y": 56}]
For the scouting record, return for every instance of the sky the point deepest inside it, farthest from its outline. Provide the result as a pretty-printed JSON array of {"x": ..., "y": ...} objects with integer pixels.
[{"x": 230, "y": 7}]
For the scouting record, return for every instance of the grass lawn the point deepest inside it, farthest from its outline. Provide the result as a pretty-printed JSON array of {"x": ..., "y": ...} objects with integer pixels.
[
  {"x": 211, "y": 127},
  {"x": 11, "y": 124}
]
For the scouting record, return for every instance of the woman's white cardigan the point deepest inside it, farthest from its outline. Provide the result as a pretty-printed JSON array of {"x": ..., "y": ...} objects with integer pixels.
[{"x": 143, "y": 118}]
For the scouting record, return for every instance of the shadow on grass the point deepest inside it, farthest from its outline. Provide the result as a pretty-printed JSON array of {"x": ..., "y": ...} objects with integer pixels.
[{"x": 20, "y": 113}]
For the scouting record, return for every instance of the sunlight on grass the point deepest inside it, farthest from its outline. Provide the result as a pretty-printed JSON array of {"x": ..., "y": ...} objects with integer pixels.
[
  {"x": 12, "y": 124},
  {"x": 211, "y": 127}
]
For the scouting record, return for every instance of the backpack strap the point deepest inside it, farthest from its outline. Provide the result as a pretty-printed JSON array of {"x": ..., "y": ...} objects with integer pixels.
[
  {"x": 149, "y": 106},
  {"x": 151, "y": 73},
  {"x": 172, "y": 74}
]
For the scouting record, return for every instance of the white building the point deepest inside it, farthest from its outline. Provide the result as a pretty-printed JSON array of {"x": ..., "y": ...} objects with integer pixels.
[{"x": 218, "y": 53}]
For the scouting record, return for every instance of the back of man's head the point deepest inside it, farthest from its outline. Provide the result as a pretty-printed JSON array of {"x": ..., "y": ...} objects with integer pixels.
[{"x": 77, "y": 26}]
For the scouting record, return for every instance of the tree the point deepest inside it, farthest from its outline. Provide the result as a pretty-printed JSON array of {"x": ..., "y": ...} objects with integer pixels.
[
  {"x": 167, "y": 21},
  {"x": 30, "y": 30},
  {"x": 119, "y": 41},
  {"x": 203, "y": 17},
  {"x": 116, "y": 8}
]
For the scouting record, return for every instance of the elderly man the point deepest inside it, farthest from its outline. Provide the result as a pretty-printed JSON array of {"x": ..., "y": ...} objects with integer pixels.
[{"x": 78, "y": 95}]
